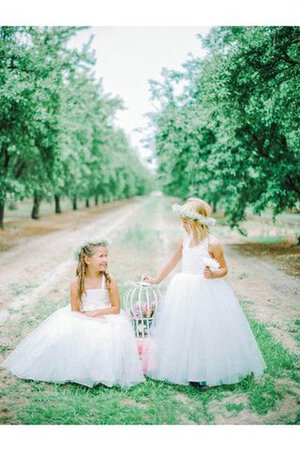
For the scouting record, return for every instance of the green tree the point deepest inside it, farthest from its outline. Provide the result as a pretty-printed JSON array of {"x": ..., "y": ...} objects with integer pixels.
[
  {"x": 57, "y": 125},
  {"x": 232, "y": 135}
]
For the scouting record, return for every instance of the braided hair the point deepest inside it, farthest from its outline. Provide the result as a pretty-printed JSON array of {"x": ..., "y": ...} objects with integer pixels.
[{"x": 87, "y": 250}]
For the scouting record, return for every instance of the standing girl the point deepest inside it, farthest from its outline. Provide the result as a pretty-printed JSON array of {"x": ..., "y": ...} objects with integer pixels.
[
  {"x": 88, "y": 342},
  {"x": 201, "y": 334}
]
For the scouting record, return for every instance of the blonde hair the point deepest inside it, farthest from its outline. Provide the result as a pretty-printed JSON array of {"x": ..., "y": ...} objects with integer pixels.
[
  {"x": 199, "y": 230},
  {"x": 87, "y": 250}
]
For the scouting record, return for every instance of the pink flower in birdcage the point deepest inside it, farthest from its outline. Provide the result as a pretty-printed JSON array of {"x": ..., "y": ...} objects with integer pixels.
[
  {"x": 150, "y": 312},
  {"x": 142, "y": 302},
  {"x": 142, "y": 311}
]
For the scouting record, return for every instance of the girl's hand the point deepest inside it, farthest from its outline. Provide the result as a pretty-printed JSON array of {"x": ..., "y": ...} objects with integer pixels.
[
  {"x": 90, "y": 313},
  {"x": 149, "y": 279},
  {"x": 208, "y": 273}
]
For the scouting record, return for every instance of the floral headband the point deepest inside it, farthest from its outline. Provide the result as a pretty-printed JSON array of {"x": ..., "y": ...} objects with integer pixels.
[
  {"x": 100, "y": 241},
  {"x": 185, "y": 211}
]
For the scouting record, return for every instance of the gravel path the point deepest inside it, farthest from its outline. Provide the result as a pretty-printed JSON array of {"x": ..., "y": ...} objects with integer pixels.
[{"x": 39, "y": 268}]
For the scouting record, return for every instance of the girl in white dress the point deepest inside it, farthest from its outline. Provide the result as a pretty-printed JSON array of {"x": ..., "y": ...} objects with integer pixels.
[
  {"x": 89, "y": 341},
  {"x": 201, "y": 335}
]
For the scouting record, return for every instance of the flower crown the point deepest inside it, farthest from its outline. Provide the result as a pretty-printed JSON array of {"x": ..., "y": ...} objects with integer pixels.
[
  {"x": 185, "y": 211},
  {"x": 100, "y": 241}
]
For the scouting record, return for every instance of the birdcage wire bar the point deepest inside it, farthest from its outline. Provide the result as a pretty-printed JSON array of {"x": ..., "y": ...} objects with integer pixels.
[{"x": 141, "y": 303}]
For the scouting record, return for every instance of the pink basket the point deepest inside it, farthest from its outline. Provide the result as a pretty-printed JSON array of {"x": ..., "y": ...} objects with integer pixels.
[{"x": 144, "y": 346}]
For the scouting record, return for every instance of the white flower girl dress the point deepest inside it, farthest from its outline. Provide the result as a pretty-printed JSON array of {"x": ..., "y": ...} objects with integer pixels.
[
  {"x": 71, "y": 347},
  {"x": 201, "y": 333}
]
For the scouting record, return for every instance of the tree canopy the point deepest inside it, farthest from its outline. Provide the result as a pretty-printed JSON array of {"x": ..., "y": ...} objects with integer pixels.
[
  {"x": 232, "y": 134},
  {"x": 57, "y": 135}
]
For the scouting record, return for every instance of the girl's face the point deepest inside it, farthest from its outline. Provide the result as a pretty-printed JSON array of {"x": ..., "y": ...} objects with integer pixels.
[{"x": 98, "y": 260}]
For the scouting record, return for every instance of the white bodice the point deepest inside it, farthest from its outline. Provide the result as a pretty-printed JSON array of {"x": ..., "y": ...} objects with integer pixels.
[
  {"x": 96, "y": 298},
  {"x": 192, "y": 261}
]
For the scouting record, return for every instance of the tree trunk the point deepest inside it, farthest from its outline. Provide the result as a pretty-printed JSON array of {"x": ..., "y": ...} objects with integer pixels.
[
  {"x": 215, "y": 206},
  {"x": 74, "y": 203},
  {"x": 1, "y": 215},
  {"x": 12, "y": 206},
  {"x": 57, "y": 204},
  {"x": 36, "y": 207},
  {"x": 87, "y": 203},
  {"x": 96, "y": 200}
]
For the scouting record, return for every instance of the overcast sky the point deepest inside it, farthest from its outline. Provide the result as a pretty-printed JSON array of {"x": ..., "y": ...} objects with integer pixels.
[{"x": 127, "y": 57}]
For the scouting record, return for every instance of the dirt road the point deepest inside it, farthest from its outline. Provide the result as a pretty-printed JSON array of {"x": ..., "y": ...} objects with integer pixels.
[
  {"x": 35, "y": 272},
  {"x": 31, "y": 269}
]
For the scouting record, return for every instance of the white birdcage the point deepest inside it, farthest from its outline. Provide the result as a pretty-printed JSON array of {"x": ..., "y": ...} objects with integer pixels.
[{"x": 141, "y": 303}]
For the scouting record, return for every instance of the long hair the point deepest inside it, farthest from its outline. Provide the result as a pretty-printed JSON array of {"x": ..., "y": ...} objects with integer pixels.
[
  {"x": 199, "y": 230},
  {"x": 87, "y": 250}
]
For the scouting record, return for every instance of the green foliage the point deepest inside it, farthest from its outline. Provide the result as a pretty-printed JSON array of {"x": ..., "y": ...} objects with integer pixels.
[
  {"x": 57, "y": 134},
  {"x": 232, "y": 136}
]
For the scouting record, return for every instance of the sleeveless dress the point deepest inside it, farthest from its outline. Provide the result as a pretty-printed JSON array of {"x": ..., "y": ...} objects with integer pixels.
[
  {"x": 201, "y": 333},
  {"x": 71, "y": 347}
]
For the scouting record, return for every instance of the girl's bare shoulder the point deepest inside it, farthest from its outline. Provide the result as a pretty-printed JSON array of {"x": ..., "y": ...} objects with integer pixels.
[
  {"x": 113, "y": 280},
  {"x": 214, "y": 241}
]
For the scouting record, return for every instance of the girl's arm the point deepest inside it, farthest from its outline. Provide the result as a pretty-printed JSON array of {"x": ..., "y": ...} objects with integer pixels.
[
  {"x": 74, "y": 297},
  {"x": 167, "y": 268},
  {"x": 216, "y": 251}
]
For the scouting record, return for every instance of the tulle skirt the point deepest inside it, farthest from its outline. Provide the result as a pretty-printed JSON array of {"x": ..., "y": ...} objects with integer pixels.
[
  {"x": 201, "y": 334},
  {"x": 69, "y": 347}
]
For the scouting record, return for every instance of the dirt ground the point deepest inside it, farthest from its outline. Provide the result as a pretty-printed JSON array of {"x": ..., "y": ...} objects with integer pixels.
[
  {"x": 36, "y": 260},
  {"x": 34, "y": 263},
  {"x": 267, "y": 280}
]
